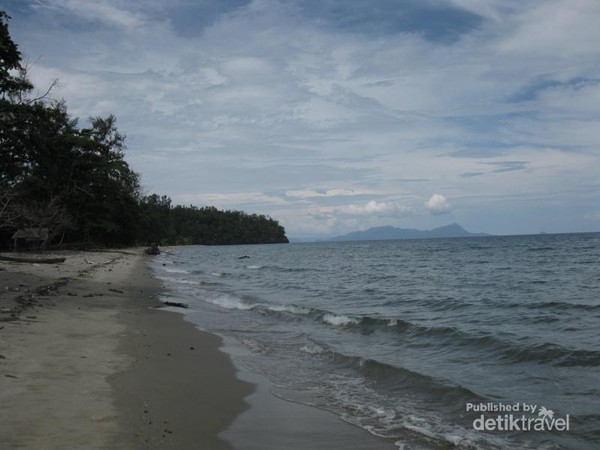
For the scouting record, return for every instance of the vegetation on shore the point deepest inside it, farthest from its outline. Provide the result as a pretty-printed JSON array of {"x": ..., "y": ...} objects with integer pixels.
[{"x": 74, "y": 181}]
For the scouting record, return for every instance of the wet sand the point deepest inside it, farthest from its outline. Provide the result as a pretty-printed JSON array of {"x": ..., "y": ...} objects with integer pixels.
[{"x": 272, "y": 423}]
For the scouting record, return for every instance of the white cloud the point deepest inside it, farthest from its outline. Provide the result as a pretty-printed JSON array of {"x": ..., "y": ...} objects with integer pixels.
[
  {"x": 437, "y": 204},
  {"x": 561, "y": 28},
  {"x": 487, "y": 9},
  {"x": 580, "y": 100},
  {"x": 96, "y": 10},
  {"x": 226, "y": 200},
  {"x": 375, "y": 208},
  {"x": 337, "y": 192}
]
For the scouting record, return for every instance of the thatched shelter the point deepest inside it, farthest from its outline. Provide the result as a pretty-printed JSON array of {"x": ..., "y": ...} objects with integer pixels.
[{"x": 33, "y": 237}]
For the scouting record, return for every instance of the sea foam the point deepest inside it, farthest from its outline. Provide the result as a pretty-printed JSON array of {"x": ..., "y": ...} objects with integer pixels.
[
  {"x": 228, "y": 302},
  {"x": 340, "y": 321}
]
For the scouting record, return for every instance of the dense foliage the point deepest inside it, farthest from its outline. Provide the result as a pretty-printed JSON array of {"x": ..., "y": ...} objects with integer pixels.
[
  {"x": 75, "y": 182},
  {"x": 166, "y": 224}
]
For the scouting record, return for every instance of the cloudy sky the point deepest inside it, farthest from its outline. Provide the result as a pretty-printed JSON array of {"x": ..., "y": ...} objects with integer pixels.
[{"x": 337, "y": 115}]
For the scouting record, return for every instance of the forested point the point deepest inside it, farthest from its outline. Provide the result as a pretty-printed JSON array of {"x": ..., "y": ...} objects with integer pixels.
[{"x": 66, "y": 185}]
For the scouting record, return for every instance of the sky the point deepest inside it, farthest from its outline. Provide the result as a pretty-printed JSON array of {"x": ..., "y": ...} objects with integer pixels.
[{"x": 338, "y": 115}]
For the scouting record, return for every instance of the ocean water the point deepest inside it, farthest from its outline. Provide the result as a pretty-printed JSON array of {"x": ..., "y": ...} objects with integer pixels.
[{"x": 400, "y": 337}]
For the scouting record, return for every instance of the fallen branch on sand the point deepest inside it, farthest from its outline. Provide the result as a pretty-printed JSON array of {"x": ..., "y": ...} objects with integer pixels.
[
  {"x": 176, "y": 304},
  {"x": 32, "y": 260},
  {"x": 108, "y": 261}
]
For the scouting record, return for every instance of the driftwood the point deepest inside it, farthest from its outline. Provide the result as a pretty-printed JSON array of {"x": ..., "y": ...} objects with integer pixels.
[
  {"x": 152, "y": 250},
  {"x": 176, "y": 304},
  {"x": 108, "y": 261},
  {"x": 32, "y": 260}
]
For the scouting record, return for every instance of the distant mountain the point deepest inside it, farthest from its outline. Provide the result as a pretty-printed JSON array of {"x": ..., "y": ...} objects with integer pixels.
[{"x": 389, "y": 232}]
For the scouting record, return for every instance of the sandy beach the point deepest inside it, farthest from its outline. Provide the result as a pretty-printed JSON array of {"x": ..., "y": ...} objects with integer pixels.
[{"x": 87, "y": 360}]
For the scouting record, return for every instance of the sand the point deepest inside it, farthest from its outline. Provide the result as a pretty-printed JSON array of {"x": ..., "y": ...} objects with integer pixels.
[
  {"x": 92, "y": 363},
  {"x": 89, "y": 361}
]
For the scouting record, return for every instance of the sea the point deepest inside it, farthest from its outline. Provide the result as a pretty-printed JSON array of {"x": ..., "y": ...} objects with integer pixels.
[{"x": 474, "y": 343}]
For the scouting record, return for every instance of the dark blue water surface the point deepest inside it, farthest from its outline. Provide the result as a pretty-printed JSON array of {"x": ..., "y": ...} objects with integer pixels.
[{"x": 399, "y": 336}]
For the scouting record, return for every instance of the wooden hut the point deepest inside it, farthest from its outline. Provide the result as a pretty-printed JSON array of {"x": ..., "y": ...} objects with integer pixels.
[{"x": 32, "y": 238}]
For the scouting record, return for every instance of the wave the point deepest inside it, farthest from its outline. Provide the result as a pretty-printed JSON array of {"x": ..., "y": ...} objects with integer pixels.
[
  {"x": 175, "y": 270},
  {"x": 433, "y": 303},
  {"x": 210, "y": 283},
  {"x": 255, "y": 346},
  {"x": 232, "y": 302},
  {"x": 184, "y": 281},
  {"x": 587, "y": 247},
  {"x": 494, "y": 346},
  {"x": 292, "y": 309},
  {"x": 276, "y": 268},
  {"x": 329, "y": 318},
  {"x": 556, "y": 355},
  {"x": 228, "y": 302},
  {"x": 393, "y": 377},
  {"x": 545, "y": 353},
  {"x": 444, "y": 304},
  {"x": 341, "y": 320},
  {"x": 386, "y": 400},
  {"x": 313, "y": 349},
  {"x": 446, "y": 336},
  {"x": 220, "y": 274},
  {"x": 557, "y": 305}
]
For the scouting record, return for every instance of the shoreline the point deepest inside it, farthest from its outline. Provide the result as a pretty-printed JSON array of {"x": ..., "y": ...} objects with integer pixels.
[
  {"x": 181, "y": 390},
  {"x": 274, "y": 423},
  {"x": 88, "y": 359},
  {"x": 271, "y": 422}
]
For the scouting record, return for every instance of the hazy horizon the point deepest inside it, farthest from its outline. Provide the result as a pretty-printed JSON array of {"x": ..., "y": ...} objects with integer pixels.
[{"x": 327, "y": 238}]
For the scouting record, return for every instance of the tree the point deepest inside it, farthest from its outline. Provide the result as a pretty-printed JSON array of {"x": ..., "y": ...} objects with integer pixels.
[
  {"x": 8, "y": 216},
  {"x": 12, "y": 85},
  {"x": 53, "y": 173},
  {"x": 155, "y": 226}
]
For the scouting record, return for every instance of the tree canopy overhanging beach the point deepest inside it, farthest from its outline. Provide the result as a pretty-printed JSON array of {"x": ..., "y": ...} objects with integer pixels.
[{"x": 74, "y": 181}]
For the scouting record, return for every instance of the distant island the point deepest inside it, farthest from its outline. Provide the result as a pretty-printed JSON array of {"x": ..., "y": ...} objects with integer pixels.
[{"x": 389, "y": 232}]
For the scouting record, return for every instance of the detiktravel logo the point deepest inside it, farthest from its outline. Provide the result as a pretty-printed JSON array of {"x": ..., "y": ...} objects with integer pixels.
[{"x": 516, "y": 417}]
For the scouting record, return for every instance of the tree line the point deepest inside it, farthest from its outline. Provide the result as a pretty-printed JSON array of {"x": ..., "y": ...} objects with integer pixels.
[{"x": 74, "y": 182}]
